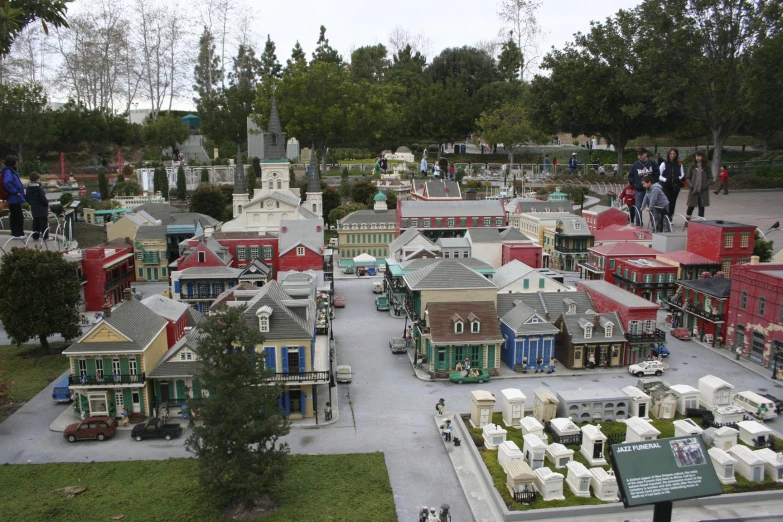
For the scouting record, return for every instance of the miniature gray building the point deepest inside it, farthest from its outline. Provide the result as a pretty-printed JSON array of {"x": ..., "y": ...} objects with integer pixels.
[{"x": 593, "y": 405}]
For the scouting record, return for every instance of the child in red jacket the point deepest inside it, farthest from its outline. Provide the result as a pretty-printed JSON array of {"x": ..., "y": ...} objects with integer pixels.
[
  {"x": 723, "y": 177},
  {"x": 628, "y": 196}
]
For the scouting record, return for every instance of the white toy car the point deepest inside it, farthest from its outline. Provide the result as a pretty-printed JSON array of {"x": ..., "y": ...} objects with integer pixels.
[{"x": 646, "y": 368}]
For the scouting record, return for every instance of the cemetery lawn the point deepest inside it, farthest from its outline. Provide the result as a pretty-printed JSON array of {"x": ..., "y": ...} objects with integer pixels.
[
  {"x": 31, "y": 371},
  {"x": 315, "y": 488},
  {"x": 666, "y": 427}
]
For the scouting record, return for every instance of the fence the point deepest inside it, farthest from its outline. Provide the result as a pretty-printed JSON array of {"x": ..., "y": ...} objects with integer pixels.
[
  {"x": 525, "y": 496},
  {"x": 218, "y": 175}
]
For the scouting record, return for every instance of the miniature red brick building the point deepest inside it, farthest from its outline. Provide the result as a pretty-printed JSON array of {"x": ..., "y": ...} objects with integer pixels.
[
  {"x": 648, "y": 278},
  {"x": 724, "y": 242},
  {"x": 701, "y": 306},
  {"x": 602, "y": 259},
  {"x": 529, "y": 253},
  {"x": 599, "y": 217},
  {"x": 109, "y": 270}
]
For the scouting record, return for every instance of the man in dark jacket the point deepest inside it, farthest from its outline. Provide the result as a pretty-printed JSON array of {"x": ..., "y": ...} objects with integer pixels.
[
  {"x": 13, "y": 185},
  {"x": 573, "y": 164},
  {"x": 39, "y": 206},
  {"x": 641, "y": 168}
]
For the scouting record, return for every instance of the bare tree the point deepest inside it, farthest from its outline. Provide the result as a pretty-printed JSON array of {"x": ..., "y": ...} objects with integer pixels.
[
  {"x": 25, "y": 62},
  {"x": 521, "y": 17},
  {"x": 151, "y": 28},
  {"x": 491, "y": 47},
  {"x": 399, "y": 38}
]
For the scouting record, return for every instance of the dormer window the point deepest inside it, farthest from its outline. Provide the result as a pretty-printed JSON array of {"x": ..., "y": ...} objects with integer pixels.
[
  {"x": 588, "y": 332},
  {"x": 577, "y": 225},
  {"x": 475, "y": 326},
  {"x": 300, "y": 251},
  {"x": 202, "y": 257},
  {"x": 608, "y": 330},
  {"x": 458, "y": 327},
  {"x": 263, "y": 315}
]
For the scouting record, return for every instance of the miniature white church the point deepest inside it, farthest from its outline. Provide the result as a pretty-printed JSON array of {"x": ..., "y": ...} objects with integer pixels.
[{"x": 274, "y": 200}]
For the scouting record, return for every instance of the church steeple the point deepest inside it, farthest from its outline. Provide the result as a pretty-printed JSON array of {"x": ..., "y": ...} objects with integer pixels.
[
  {"x": 274, "y": 137},
  {"x": 240, "y": 183},
  {"x": 314, "y": 194}
]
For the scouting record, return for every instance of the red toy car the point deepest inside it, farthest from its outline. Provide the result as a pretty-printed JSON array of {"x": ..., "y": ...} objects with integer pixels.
[
  {"x": 339, "y": 301},
  {"x": 99, "y": 427},
  {"x": 681, "y": 334}
]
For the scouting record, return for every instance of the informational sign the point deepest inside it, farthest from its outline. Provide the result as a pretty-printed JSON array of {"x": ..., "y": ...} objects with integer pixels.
[{"x": 664, "y": 470}]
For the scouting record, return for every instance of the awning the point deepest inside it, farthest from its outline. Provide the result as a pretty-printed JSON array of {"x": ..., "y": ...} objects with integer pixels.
[{"x": 591, "y": 268}]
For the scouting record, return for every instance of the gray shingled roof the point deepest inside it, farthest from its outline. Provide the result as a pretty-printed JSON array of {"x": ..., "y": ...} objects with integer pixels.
[
  {"x": 568, "y": 227},
  {"x": 483, "y": 235},
  {"x": 517, "y": 317},
  {"x": 305, "y": 232},
  {"x": 122, "y": 347},
  {"x": 454, "y": 242},
  {"x": 165, "y": 307},
  {"x": 405, "y": 238},
  {"x": 437, "y": 188},
  {"x": 170, "y": 368},
  {"x": 307, "y": 214},
  {"x": 510, "y": 272},
  {"x": 542, "y": 206},
  {"x": 714, "y": 286},
  {"x": 573, "y": 326},
  {"x": 370, "y": 216},
  {"x": 617, "y": 294},
  {"x": 513, "y": 234},
  {"x": 210, "y": 271},
  {"x": 445, "y": 274},
  {"x": 284, "y": 323},
  {"x": 151, "y": 232},
  {"x": 542, "y": 302},
  {"x": 260, "y": 268},
  {"x": 483, "y": 208},
  {"x": 470, "y": 262}
]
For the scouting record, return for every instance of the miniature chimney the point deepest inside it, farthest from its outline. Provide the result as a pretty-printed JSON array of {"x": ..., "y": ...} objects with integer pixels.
[
  {"x": 127, "y": 294},
  {"x": 106, "y": 310},
  {"x": 720, "y": 274},
  {"x": 208, "y": 231},
  {"x": 596, "y": 321},
  {"x": 754, "y": 260},
  {"x": 705, "y": 275},
  {"x": 546, "y": 316}
]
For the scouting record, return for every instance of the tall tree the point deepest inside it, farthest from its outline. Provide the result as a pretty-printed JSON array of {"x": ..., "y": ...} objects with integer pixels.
[
  {"x": 208, "y": 199},
  {"x": 702, "y": 63},
  {"x": 331, "y": 200},
  {"x": 370, "y": 63},
  {"x": 325, "y": 52},
  {"x": 56, "y": 297},
  {"x": 418, "y": 43},
  {"x": 182, "y": 185},
  {"x": 207, "y": 72},
  {"x": 271, "y": 69},
  {"x": 509, "y": 125},
  {"x": 297, "y": 56},
  {"x": 238, "y": 444},
  {"x": 16, "y": 15},
  {"x": 24, "y": 118},
  {"x": 165, "y": 132},
  {"x": 761, "y": 89},
  {"x": 520, "y": 17},
  {"x": 466, "y": 66},
  {"x": 511, "y": 60},
  {"x": 103, "y": 184}
]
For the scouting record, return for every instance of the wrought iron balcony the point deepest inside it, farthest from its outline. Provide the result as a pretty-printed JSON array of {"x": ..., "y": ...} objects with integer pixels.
[
  {"x": 572, "y": 250},
  {"x": 715, "y": 318},
  {"x": 659, "y": 336},
  {"x": 106, "y": 379},
  {"x": 118, "y": 280},
  {"x": 301, "y": 377}
]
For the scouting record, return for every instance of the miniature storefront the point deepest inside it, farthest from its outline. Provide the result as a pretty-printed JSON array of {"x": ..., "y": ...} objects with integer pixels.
[
  {"x": 544, "y": 405},
  {"x": 534, "y": 450},
  {"x": 508, "y": 451},
  {"x": 749, "y": 465},
  {"x": 494, "y": 435},
  {"x": 724, "y": 465},
  {"x": 751, "y": 432},
  {"x": 593, "y": 441},
  {"x": 773, "y": 463},
  {"x": 639, "y": 402},
  {"x": 723, "y": 438},
  {"x": 578, "y": 479},
  {"x": 714, "y": 391},
  {"x": 604, "y": 484},
  {"x": 685, "y": 427},
  {"x": 559, "y": 455},
  {"x": 531, "y": 425},
  {"x": 519, "y": 477},
  {"x": 549, "y": 483},
  {"x": 640, "y": 430},
  {"x": 663, "y": 403},
  {"x": 687, "y": 397},
  {"x": 513, "y": 405},
  {"x": 482, "y": 404},
  {"x": 730, "y": 414}
]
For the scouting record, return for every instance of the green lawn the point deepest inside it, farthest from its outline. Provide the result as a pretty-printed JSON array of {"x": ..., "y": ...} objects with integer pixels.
[
  {"x": 30, "y": 370},
  {"x": 316, "y": 487}
]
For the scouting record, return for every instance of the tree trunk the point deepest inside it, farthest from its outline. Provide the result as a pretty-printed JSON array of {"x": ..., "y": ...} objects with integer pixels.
[
  {"x": 440, "y": 143},
  {"x": 719, "y": 135},
  {"x": 44, "y": 343}
]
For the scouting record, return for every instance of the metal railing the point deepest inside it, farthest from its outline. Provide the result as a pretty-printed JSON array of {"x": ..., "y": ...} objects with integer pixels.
[
  {"x": 658, "y": 336},
  {"x": 301, "y": 377},
  {"x": 525, "y": 497},
  {"x": 117, "y": 280},
  {"x": 106, "y": 379}
]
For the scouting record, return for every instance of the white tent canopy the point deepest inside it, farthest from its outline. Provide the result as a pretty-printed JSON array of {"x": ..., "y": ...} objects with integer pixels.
[{"x": 364, "y": 259}]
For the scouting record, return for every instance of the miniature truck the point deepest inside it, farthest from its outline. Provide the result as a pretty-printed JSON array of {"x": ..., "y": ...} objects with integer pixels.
[{"x": 155, "y": 429}]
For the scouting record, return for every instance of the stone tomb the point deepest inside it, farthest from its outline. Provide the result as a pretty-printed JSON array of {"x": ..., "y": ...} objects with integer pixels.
[
  {"x": 513, "y": 404},
  {"x": 724, "y": 465},
  {"x": 549, "y": 483},
  {"x": 604, "y": 484},
  {"x": 559, "y": 455},
  {"x": 593, "y": 442},
  {"x": 751, "y": 431},
  {"x": 728, "y": 414},
  {"x": 773, "y": 463},
  {"x": 640, "y": 430},
  {"x": 519, "y": 476},
  {"x": 640, "y": 402},
  {"x": 685, "y": 427},
  {"x": 749, "y": 465},
  {"x": 723, "y": 438},
  {"x": 482, "y": 404},
  {"x": 578, "y": 479},
  {"x": 687, "y": 397},
  {"x": 494, "y": 436},
  {"x": 534, "y": 450},
  {"x": 532, "y": 426},
  {"x": 544, "y": 405},
  {"x": 508, "y": 451}
]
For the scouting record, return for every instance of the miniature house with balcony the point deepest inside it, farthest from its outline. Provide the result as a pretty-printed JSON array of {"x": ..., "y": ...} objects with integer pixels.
[
  {"x": 724, "y": 465},
  {"x": 578, "y": 479}
]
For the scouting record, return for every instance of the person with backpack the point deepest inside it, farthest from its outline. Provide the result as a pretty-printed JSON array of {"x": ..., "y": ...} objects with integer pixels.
[
  {"x": 656, "y": 201},
  {"x": 12, "y": 192},
  {"x": 39, "y": 207}
]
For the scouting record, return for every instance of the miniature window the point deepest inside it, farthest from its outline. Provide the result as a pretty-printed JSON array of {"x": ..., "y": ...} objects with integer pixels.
[
  {"x": 426, "y": 223},
  {"x": 475, "y": 326},
  {"x": 744, "y": 239},
  {"x": 458, "y": 327},
  {"x": 241, "y": 253},
  {"x": 254, "y": 252},
  {"x": 588, "y": 332},
  {"x": 744, "y": 300},
  {"x": 608, "y": 330},
  {"x": 414, "y": 222},
  {"x": 451, "y": 222},
  {"x": 762, "y": 305},
  {"x": 263, "y": 323},
  {"x": 300, "y": 251},
  {"x": 487, "y": 222},
  {"x": 202, "y": 257},
  {"x": 499, "y": 222},
  {"x": 728, "y": 240},
  {"x": 267, "y": 252}
]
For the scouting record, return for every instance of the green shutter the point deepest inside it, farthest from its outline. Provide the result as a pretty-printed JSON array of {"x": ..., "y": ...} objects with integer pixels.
[
  {"x": 527, "y": 284},
  {"x": 112, "y": 404},
  {"x": 491, "y": 356},
  {"x": 181, "y": 389},
  {"x": 124, "y": 367},
  {"x": 196, "y": 388},
  {"x": 91, "y": 367}
]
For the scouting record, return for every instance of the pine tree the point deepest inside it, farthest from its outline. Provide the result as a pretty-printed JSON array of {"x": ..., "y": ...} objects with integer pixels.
[
  {"x": 324, "y": 52},
  {"x": 297, "y": 56},
  {"x": 103, "y": 184},
  {"x": 182, "y": 186},
  {"x": 238, "y": 448},
  {"x": 246, "y": 68},
  {"x": 270, "y": 68},
  {"x": 164, "y": 186},
  {"x": 207, "y": 72},
  {"x": 204, "y": 176},
  {"x": 252, "y": 176}
]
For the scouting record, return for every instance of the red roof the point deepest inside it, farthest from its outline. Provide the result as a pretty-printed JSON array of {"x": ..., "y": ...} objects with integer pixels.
[
  {"x": 623, "y": 234},
  {"x": 622, "y": 249},
  {"x": 684, "y": 257},
  {"x": 442, "y": 317}
]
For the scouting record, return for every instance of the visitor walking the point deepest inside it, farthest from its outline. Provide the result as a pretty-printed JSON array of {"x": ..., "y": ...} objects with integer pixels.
[
  {"x": 13, "y": 185},
  {"x": 423, "y": 167},
  {"x": 723, "y": 178},
  {"x": 699, "y": 179},
  {"x": 573, "y": 164},
  {"x": 39, "y": 207},
  {"x": 671, "y": 177},
  {"x": 642, "y": 167},
  {"x": 547, "y": 164}
]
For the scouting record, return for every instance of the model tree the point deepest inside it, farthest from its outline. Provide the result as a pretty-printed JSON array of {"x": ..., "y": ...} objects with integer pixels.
[
  {"x": 238, "y": 448},
  {"x": 39, "y": 296},
  {"x": 103, "y": 184},
  {"x": 209, "y": 200},
  {"x": 182, "y": 188}
]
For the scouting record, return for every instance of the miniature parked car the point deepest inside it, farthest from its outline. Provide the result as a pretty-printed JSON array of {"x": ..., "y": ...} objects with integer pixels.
[
  {"x": 61, "y": 392},
  {"x": 382, "y": 303},
  {"x": 473, "y": 375},
  {"x": 377, "y": 287},
  {"x": 397, "y": 345},
  {"x": 343, "y": 373},
  {"x": 348, "y": 270},
  {"x": 646, "y": 368},
  {"x": 662, "y": 351},
  {"x": 339, "y": 301},
  {"x": 100, "y": 427},
  {"x": 681, "y": 333},
  {"x": 155, "y": 429}
]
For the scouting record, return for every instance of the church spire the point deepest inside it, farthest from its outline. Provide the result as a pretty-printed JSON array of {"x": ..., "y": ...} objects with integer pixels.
[
  {"x": 314, "y": 181},
  {"x": 240, "y": 184},
  {"x": 274, "y": 137},
  {"x": 274, "y": 118}
]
